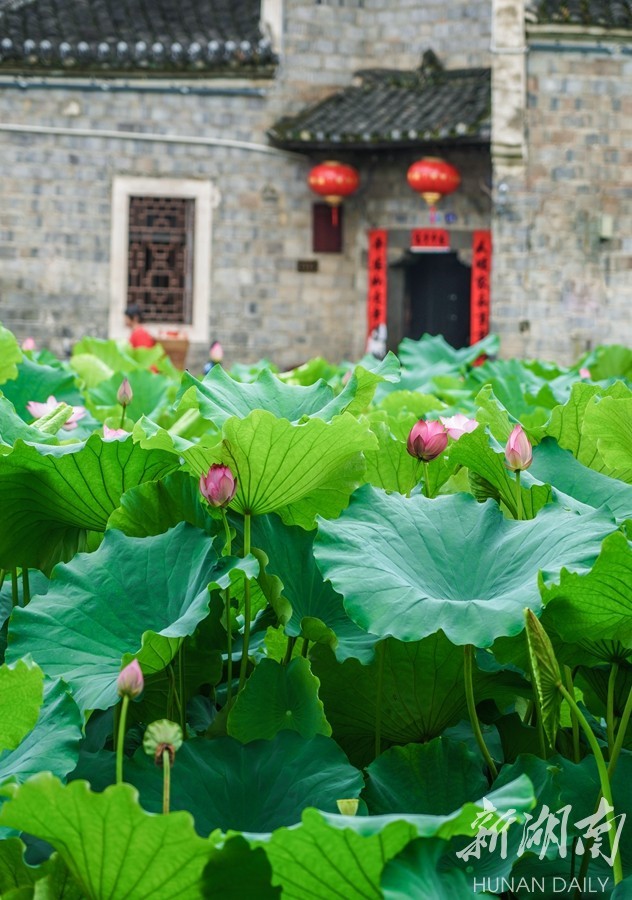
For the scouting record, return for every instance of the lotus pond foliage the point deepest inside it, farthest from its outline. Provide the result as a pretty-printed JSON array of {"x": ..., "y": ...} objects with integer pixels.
[{"x": 342, "y": 632}]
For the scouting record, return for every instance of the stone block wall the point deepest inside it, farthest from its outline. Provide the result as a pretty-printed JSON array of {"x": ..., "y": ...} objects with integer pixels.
[{"x": 561, "y": 284}]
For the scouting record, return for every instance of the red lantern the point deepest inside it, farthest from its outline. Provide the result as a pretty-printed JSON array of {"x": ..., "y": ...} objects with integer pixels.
[
  {"x": 433, "y": 178},
  {"x": 333, "y": 181}
]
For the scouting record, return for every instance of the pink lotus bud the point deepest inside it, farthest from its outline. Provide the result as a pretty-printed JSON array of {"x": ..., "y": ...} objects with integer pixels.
[
  {"x": 427, "y": 440},
  {"x": 130, "y": 682},
  {"x": 216, "y": 353},
  {"x": 458, "y": 425},
  {"x": 28, "y": 343},
  {"x": 112, "y": 434},
  {"x": 584, "y": 373},
  {"x": 125, "y": 394},
  {"x": 37, "y": 410},
  {"x": 518, "y": 452},
  {"x": 219, "y": 485}
]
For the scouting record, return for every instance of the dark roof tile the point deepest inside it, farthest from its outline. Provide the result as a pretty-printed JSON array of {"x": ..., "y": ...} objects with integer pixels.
[
  {"x": 153, "y": 36},
  {"x": 392, "y": 108}
]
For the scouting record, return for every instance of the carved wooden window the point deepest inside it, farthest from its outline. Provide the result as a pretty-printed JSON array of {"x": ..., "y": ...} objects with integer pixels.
[{"x": 160, "y": 258}]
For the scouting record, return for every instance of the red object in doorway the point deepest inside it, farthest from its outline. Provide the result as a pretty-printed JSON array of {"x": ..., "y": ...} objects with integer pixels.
[
  {"x": 480, "y": 293},
  {"x": 377, "y": 296},
  {"x": 429, "y": 239}
]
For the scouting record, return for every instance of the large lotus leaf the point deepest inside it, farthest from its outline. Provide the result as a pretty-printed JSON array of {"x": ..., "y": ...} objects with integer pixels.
[
  {"x": 523, "y": 393},
  {"x": 132, "y": 596},
  {"x": 561, "y": 469},
  {"x": 151, "y": 395},
  {"x": 610, "y": 361},
  {"x": 408, "y": 567},
  {"x": 414, "y": 873},
  {"x": 390, "y": 466},
  {"x": 597, "y": 605},
  {"x": 37, "y": 584},
  {"x": 567, "y": 421},
  {"x": 52, "y": 744},
  {"x": 118, "y": 356},
  {"x": 279, "y": 465},
  {"x": 483, "y": 456},
  {"x": 313, "y": 600},
  {"x": 254, "y": 787},
  {"x": 431, "y": 356},
  {"x": 52, "y": 496},
  {"x": 546, "y": 675},
  {"x": 10, "y": 355},
  {"x": 609, "y": 424},
  {"x": 436, "y": 778},
  {"x": 623, "y": 891},
  {"x": 278, "y": 698},
  {"x": 111, "y": 846},
  {"x": 236, "y": 871},
  {"x": 156, "y": 506},
  {"x": 21, "y": 696},
  {"x": 423, "y": 693},
  {"x": 13, "y": 428},
  {"x": 330, "y": 857},
  {"x": 37, "y": 381}
]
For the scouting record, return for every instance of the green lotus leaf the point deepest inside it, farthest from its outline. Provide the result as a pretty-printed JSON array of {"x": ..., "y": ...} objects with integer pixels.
[
  {"x": 281, "y": 467},
  {"x": 435, "y": 778},
  {"x": 37, "y": 381},
  {"x": 408, "y": 567},
  {"x": 390, "y": 466},
  {"x": 118, "y": 356},
  {"x": 14, "y": 428},
  {"x": 484, "y": 457},
  {"x": 566, "y": 424},
  {"x": 14, "y": 872},
  {"x": 610, "y": 361},
  {"x": 53, "y": 742},
  {"x": 563, "y": 471},
  {"x": 133, "y": 597},
  {"x": 597, "y": 605},
  {"x": 156, "y": 506},
  {"x": 422, "y": 361},
  {"x": 291, "y": 558},
  {"x": 21, "y": 696},
  {"x": 151, "y": 395},
  {"x": 329, "y": 857},
  {"x": 608, "y": 423},
  {"x": 546, "y": 675},
  {"x": 52, "y": 496},
  {"x": 236, "y": 871},
  {"x": 111, "y": 846},
  {"x": 414, "y": 873},
  {"x": 10, "y": 355},
  {"x": 422, "y": 689},
  {"x": 278, "y": 698},
  {"x": 255, "y": 787}
]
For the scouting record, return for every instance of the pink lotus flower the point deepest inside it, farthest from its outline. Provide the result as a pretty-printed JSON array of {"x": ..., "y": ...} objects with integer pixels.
[
  {"x": 427, "y": 440},
  {"x": 28, "y": 343},
  {"x": 216, "y": 353},
  {"x": 112, "y": 434},
  {"x": 37, "y": 410},
  {"x": 130, "y": 681},
  {"x": 458, "y": 425},
  {"x": 125, "y": 395},
  {"x": 219, "y": 485},
  {"x": 518, "y": 452},
  {"x": 584, "y": 373}
]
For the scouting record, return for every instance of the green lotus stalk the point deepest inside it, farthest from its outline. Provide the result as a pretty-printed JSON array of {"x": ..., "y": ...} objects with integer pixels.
[
  {"x": 162, "y": 740},
  {"x": 129, "y": 685},
  {"x": 289, "y": 650},
  {"x": 120, "y": 741},
  {"x": 229, "y": 629},
  {"x": 568, "y": 675},
  {"x": 468, "y": 655},
  {"x": 604, "y": 781},
  {"x": 166, "y": 781},
  {"x": 519, "y": 511},
  {"x": 426, "y": 480},
  {"x": 15, "y": 593},
  {"x": 26, "y": 588},
  {"x": 621, "y": 732},
  {"x": 612, "y": 680},
  {"x": 247, "y": 609}
]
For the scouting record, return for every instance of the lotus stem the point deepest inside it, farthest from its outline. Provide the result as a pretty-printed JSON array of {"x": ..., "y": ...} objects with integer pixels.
[
  {"x": 166, "y": 781},
  {"x": 380, "y": 654},
  {"x": 519, "y": 514},
  {"x": 15, "y": 593},
  {"x": 604, "y": 781},
  {"x": 289, "y": 650},
  {"x": 623, "y": 727},
  {"x": 183, "y": 704},
  {"x": 121, "y": 739},
  {"x": 26, "y": 588},
  {"x": 229, "y": 630},
  {"x": 612, "y": 679},
  {"x": 305, "y": 648},
  {"x": 122, "y": 422},
  {"x": 574, "y": 723},
  {"x": 247, "y": 611},
  {"x": 468, "y": 655},
  {"x": 3, "y": 573},
  {"x": 426, "y": 481}
]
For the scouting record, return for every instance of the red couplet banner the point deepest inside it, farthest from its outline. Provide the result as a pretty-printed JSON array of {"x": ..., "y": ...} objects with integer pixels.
[
  {"x": 480, "y": 286},
  {"x": 377, "y": 280}
]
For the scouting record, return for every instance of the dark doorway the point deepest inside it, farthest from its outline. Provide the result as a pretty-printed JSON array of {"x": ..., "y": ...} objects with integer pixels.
[{"x": 438, "y": 297}]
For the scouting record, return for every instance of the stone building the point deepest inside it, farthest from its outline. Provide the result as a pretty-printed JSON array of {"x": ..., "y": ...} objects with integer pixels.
[{"x": 159, "y": 154}]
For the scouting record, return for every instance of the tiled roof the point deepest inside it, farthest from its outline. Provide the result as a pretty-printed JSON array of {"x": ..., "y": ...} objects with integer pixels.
[
  {"x": 146, "y": 36},
  {"x": 391, "y": 109},
  {"x": 604, "y": 13}
]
